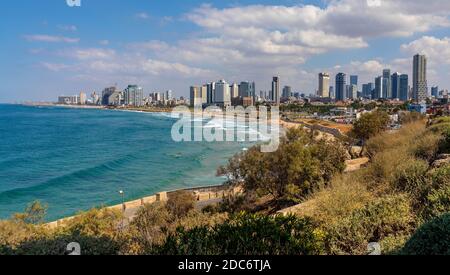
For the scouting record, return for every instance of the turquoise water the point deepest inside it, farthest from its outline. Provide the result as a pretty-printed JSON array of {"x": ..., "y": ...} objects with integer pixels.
[{"x": 76, "y": 159}]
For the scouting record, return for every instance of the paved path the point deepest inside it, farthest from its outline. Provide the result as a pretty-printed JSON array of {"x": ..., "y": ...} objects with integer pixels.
[{"x": 130, "y": 213}]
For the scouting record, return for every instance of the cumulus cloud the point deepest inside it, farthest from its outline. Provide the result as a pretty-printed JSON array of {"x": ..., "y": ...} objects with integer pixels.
[{"x": 437, "y": 50}]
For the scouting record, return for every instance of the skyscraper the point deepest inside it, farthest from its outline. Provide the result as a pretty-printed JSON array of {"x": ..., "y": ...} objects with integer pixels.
[
  {"x": 195, "y": 96},
  {"x": 404, "y": 87},
  {"x": 211, "y": 87},
  {"x": 395, "y": 84},
  {"x": 169, "y": 95},
  {"x": 287, "y": 92},
  {"x": 234, "y": 90},
  {"x": 204, "y": 94},
  {"x": 222, "y": 95},
  {"x": 324, "y": 85},
  {"x": 275, "y": 94},
  {"x": 352, "y": 91},
  {"x": 247, "y": 89},
  {"x": 387, "y": 89},
  {"x": 134, "y": 96},
  {"x": 367, "y": 90},
  {"x": 420, "y": 85},
  {"x": 340, "y": 87},
  {"x": 332, "y": 95},
  {"x": 434, "y": 92},
  {"x": 354, "y": 80},
  {"x": 378, "y": 93}
]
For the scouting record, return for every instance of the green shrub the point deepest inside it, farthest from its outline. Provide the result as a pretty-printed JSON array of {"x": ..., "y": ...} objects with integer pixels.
[
  {"x": 247, "y": 234},
  {"x": 388, "y": 217},
  {"x": 426, "y": 146},
  {"x": 433, "y": 238}
]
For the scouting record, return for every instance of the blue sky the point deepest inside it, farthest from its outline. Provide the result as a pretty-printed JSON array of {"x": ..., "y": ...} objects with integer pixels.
[{"x": 49, "y": 49}]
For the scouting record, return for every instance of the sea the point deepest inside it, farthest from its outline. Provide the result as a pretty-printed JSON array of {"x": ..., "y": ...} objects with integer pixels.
[{"x": 75, "y": 159}]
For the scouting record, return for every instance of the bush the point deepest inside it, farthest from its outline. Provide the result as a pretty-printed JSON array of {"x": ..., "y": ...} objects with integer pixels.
[
  {"x": 247, "y": 234},
  {"x": 180, "y": 203},
  {"x": 388, "y": 217},
  {"x": 427, "y": 146},
  {"x": 96, "y": 231},
  {"x": 433, "y": 238}
]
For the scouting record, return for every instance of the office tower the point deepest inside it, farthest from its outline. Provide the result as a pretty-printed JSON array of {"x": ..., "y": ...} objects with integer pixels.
[
  {"x": 204, "y": 94},
  {"x": 195, "y": 96},
  {"x": 112, "y": 97},
  {"x": 354, "y": 80},
  {"x": 331, "y": 93},
  {"x": 134, "y": 96},
  {"x": 247, "y": 89},
  {"x": 275, "y": 94},
  {"x": 352, "y": 92},
  {"x": 222, "y": 95},
  {"x": 169, "y": 95},
  {"x": 367, "y": 90},
  {"x": 287, "y": 92},
  {"x": 420, "y": 85},
  {"x": 434, "y": 92},
  {"x": 378, "y": 92},
  {"x": 395, "y": 85},
  {"x": 234, "y": 90},
  {"x": 83, "y": 98},
  {"x": 324, "y": 85},
  {"x": 211, "y": 87},
  {"x": 341, "y": 87},
  {"x": 387, "y": 89},
  {"x": 404, "y": 87}
]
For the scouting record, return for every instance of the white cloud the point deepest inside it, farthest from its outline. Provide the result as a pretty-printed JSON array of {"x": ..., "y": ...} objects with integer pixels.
[
  {"x": 71, "y": 28},
  {"x": 142, "y": 15},
  {"x": 50, "y": 38},
  {"x": 437, "y": 50}
]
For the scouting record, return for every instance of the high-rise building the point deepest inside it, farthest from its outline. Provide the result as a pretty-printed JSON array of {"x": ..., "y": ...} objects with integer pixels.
[
  {"x": 134, "y": 96},
  {"x": 324, "y": 85},
  {"x": 341, "y": 87},
  {"x": 169, "y": 95},
  {"x": 387, "y": 89},
  {"x": 420, "y": 85},
  {"x": 395, "y": 85},
  {"x": 83, "y": 98},
  {"x": 112, "y": 97},
  {"x": 354, "y": 80},
  {"x": 275, "y": 94},
  {"x": 195, "y": 96},
  {"x": 211, "y": 88},
  {"x": 331, "y": 93},
  {"x": 234, "y": 90},
  {"x": 247, "y": 89},
  {"x": 222, "y": 95},
  {"x": 404, "y": 87},
  {"x": 204, "y": 94},
  {"x": 367, "y": 90},
  {"x": 434, "y": 91},
  {"x": 352, "y": 92},
  {"x": 287, "y": 92},
  {"x": 378, "y": 92}
]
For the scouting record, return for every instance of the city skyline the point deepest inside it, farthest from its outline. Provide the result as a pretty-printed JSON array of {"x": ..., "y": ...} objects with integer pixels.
[{"x": 62, "y": 50}]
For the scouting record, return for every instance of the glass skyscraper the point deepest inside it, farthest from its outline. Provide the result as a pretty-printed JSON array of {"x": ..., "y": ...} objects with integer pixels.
[{"x": 341, "y": 93}]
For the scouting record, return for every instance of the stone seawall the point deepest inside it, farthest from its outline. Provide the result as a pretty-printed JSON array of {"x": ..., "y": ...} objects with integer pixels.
[{"x": 201, "y": 194}]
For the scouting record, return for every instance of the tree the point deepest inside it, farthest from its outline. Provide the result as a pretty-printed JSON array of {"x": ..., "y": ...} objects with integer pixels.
[
  {"x": 180, "y": 203},
  {"x": 301, "y": 165},
  {"x": 34, "y": 213},
  {"x": 433, "y": 238},
  {"x": 369, "y": 125}
]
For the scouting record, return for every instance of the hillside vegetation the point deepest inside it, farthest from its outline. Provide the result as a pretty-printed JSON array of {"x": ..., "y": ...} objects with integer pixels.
[{"x": 401, "y": 200}]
